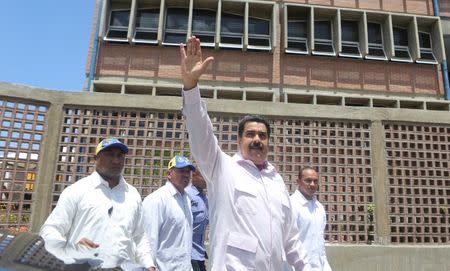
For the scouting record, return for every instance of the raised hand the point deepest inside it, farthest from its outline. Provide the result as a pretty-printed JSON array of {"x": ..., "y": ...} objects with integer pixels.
[{"x": 192, "y": 63}]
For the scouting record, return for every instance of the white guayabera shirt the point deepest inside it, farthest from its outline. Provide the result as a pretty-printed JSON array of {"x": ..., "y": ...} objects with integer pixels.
[
  {"x": 109, "y": 217},
  {"x": 311, "y": 220},
  {"x": 168, "y": 224},
  {"x": 252, "y": 226}
]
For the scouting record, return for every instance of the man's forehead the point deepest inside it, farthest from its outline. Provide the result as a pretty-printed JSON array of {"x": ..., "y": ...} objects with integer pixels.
[
  {"x": 310, "y": 174},
  {"x": 255, "y": 126}
]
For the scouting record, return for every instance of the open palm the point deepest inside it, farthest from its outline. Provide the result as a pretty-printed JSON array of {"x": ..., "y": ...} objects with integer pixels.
[{"x": 192, "y": 63}]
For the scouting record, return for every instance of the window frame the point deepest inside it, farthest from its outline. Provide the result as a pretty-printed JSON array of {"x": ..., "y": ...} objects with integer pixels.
[
  {"x": 260, "y": 36},
  {"x": 324, "y": 41},
  {"x": 203, "y": 33},
  {"x": 402, "y": 48},
  {"x": 146, "y": 29},
  {"x": 117, "y": 28},
  {"x": 350, "y": 44},
  {"x": 297, "y": 39},
  {"x": 231, "y": 34},
  {"x": 175, "y": 31},
  {"x": 376, "y": 45},
  {"x": 426, "y": 50}
]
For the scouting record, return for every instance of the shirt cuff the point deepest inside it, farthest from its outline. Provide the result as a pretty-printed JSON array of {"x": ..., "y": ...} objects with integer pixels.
[{"x": 191, "y": 96}]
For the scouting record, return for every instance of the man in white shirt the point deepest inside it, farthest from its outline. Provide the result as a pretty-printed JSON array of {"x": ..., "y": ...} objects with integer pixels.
[
  {"x": 97, "y": 222},
  {"x": 168, "y": 218},
  {"x": 251, "y": 222},
  {"x": 311, "y": 218}
]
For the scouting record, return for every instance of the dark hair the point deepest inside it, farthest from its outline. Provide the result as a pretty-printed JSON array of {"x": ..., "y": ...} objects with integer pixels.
[
  {"x": 300, "y": 172},
  {"x": 253, "y": 118}
]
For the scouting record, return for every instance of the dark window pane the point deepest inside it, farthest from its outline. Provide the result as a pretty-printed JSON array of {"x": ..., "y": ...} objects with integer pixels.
[
  {"x": 205, "y": 38},
  {"x": 376, "y": 51},
  {"x": 175, "y": 38},
  {"x": 147, "y": 18},
  {"x": 259, "y": 42},
  {"x": 297, "y": 29},
  {"x": 424, "y": 40},
  {"x": 350, "y": 49},
  {"x": 232, "y": 23},
  {"x": 297, "y": 45},
  {"x": 323, "y": 47},
  {"x": 400, "y": 36},
  {"x": 374, "y": 33},
  {"x": 258, "y": 26},
  {"x": 231, "y": 40},
  {"x": 427, "y": 55},
  {"x": 144, "y": 35},
  {"x": 402, "y": 53},
  {"x": 117, "y": 34},
  {"x": 119, "y": 18},
  {"x": 204, "y": 20},
  {"x": 349, "y": 31},
  {"x": 322, "y": 30},
  {"x": 177, "y": 19}
]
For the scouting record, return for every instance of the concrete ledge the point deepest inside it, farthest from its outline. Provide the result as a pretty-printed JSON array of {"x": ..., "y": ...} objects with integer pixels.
[{"x": 388, "y": 258}]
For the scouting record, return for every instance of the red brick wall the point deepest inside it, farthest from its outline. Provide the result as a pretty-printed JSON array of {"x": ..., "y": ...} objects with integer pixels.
[
  {"x": 260, "y": 67},
  {"x": 444, "y": 6},
  {"x": 423, "y": 7}
]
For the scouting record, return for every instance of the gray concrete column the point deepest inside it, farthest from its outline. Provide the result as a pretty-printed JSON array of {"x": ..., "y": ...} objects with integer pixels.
[
  {"x": 42, "y": 198},
  {"x": 380, "y": 183}
]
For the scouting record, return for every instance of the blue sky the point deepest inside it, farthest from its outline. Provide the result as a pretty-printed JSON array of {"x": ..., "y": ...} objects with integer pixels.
[{"x": 45, "y": 43}]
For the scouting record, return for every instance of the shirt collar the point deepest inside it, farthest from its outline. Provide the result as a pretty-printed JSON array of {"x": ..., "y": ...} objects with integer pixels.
[
  {"x": 303, "y": 199},
  {"x": 100, "y": 181},
  {"x": 239, "y": 159},
  {"x": 172, "y": 190}
]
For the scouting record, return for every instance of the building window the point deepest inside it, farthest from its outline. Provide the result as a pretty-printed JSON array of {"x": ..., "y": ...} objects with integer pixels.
[
  {"x": 118, "y": 25},
  {"x": 401, "y": 50},
  {"x": 297, "y": 37},
  {"x": 426, "y": 51},
  {"x": 375, "y": 39},
  {"x": 176, "y": 26},
  {"x": 231, "y": 30},
  {"x": 258, "y": 34},
  {"x": 147, "y": 21},
  {"x": 204, "y": 26},
  {"x": 350, "y": 39},
  {"x": 323, "y": 42}
]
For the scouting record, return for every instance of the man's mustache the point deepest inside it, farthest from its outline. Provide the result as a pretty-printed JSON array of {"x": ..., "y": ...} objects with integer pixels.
[{"x": 256, "y": 146}]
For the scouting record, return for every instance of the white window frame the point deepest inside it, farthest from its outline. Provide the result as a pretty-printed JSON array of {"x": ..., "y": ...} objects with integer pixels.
[
  {"x": 426, "y": 50},
  {"x": 401, "y": 48},
  {"x": 205, "y": 33},
  {"x": 297, "y": 39},
  {"x": 232, "y": 35},
  {"x": 260, "y": 36},
  {"x": 146, "y": 29},
  {"x": 117, "y": 28},
  {"x": 324, "y": 41},
  {"x": 376, "y": 45},
  {"x": 352, "y": 44},
  {"x": 175, "y": 31}
]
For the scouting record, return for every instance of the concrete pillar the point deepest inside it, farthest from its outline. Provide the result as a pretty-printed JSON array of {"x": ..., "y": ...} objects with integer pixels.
[
  {"x": 380, "y": 183},
  {"x": 46, "y": 168}
]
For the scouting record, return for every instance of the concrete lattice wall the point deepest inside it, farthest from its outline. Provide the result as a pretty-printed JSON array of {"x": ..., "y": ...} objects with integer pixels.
[{"x": 394, "y": 158}]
